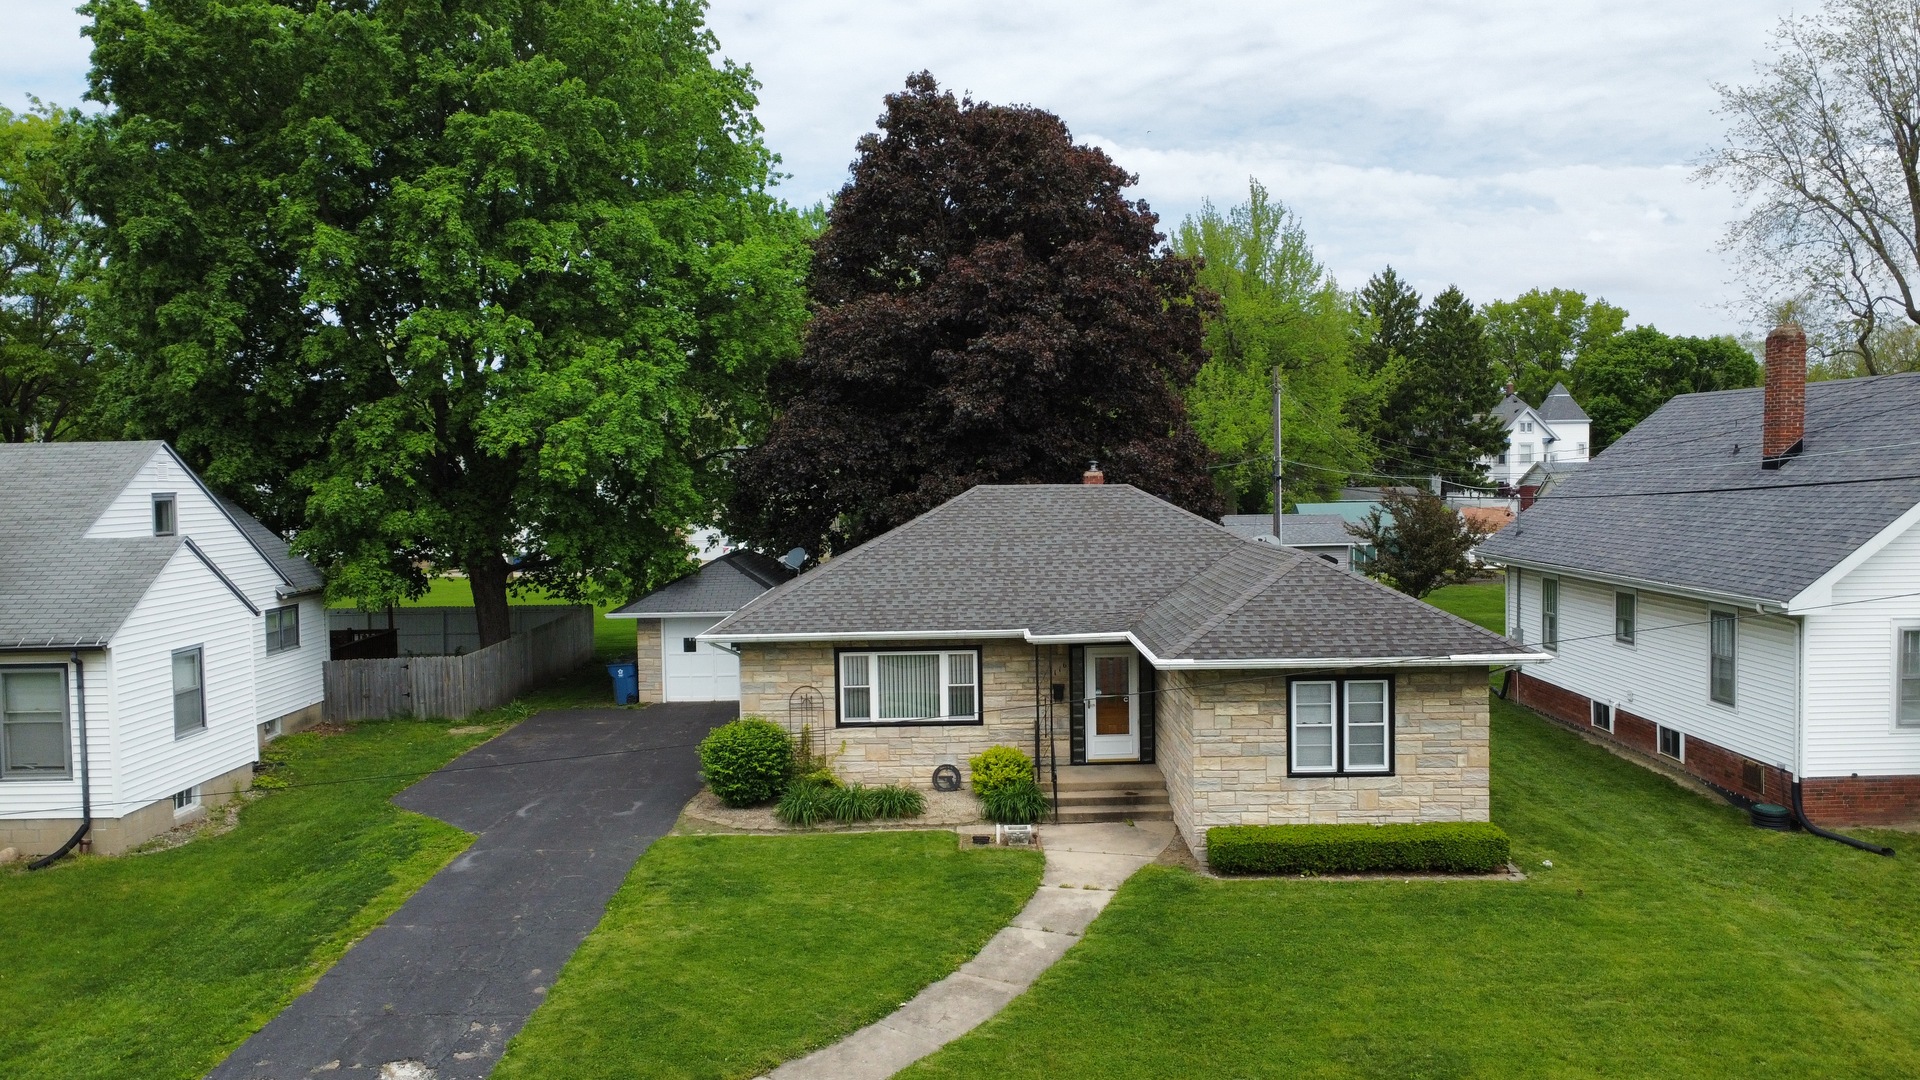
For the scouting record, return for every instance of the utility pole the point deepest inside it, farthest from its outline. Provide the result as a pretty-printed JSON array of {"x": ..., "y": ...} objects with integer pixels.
[{"x": 1277, "y": 458}]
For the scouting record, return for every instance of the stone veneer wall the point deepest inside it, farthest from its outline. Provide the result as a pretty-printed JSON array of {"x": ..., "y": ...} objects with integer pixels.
[
  {"x": 1224, "y": 754},
  {"x": 112, "y": 836},
  {"x": 646, "y": 660},
  {"x": 905, "y": 754}
]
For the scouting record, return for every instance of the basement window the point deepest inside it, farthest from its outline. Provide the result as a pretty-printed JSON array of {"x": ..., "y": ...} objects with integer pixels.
[
  {"x": 184, "y": 801},
  {"x": 1672, "y": 744},
  {"x": 1603, "y": 716}
]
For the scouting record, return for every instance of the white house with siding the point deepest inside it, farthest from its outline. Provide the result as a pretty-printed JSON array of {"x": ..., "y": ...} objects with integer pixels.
[
  {"x": 1735, "y": 586},
  {"x": 1556, "y": 433},
  {"x": 164, "y": 624}
]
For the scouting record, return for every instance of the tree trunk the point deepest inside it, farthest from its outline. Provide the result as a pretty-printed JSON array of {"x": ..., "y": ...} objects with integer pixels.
[{"x": 488, "y": 575}]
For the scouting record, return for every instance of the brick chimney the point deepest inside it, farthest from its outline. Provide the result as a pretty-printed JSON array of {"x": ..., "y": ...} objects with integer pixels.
[
  {"x": 1784, "y": 420},
  {"x": 1093, "y": 475}
]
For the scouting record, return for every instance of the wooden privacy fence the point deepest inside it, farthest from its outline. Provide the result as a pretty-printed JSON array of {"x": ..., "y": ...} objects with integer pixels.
[{"x": 456, "y": 686}]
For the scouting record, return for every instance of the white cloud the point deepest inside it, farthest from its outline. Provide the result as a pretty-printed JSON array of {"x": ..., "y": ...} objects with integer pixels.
[{"x": 1499, "y": 144}]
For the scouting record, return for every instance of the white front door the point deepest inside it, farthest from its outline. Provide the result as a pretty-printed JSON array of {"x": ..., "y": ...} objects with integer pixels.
[
  {"x": 1113, "y": 705},
  {"x": 692, "y": 670}
]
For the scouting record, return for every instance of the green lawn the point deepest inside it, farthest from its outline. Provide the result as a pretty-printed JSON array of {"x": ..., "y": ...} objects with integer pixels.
[
  {"x": 611, "y": 637},
  {"x": 724, "y": 955},
  {"x": 156, "y": 966},
  {"x": 1669, "y": 939},
  {"x": 1483, "y": 602}
]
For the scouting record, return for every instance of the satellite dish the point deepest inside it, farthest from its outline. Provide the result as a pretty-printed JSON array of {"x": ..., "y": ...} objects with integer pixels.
[{"x": 794, "y": 559}]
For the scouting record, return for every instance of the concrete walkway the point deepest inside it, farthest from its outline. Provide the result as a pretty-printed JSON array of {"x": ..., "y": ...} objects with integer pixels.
[
  {"x": 1085, "y": 865},
  {"x": 563, "y": 805}
]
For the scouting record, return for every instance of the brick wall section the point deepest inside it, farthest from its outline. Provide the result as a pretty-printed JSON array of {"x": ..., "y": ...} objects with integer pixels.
[
  {"x": 1236, "y": 770},
  {"x": 112, "y": 836},
  {"x": 646, "y": 659},
  {"x": 1834, "y": 801},
  {"x": 908, "y": 754}
]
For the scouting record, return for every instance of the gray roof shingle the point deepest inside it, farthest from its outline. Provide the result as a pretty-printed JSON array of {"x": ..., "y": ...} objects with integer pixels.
[
  {"x": 300, "y": 575},
  {"x": 1681, "y": 499},
  {"x": 725, "y": 584},
  {"x": 1559, "y": 406},
  {"x": 1070, "y": 559},
  {"x": 1298, "y": 530}
]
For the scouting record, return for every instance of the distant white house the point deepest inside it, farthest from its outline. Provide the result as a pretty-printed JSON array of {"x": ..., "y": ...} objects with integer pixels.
[
  {"x": 1557, "y": 432},
  {"x": 152, "y": 636},
  {"x": 1734, "y": 586}
]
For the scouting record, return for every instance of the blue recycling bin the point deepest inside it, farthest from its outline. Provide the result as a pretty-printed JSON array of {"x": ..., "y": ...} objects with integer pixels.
[{"x": 626, "y": 682}]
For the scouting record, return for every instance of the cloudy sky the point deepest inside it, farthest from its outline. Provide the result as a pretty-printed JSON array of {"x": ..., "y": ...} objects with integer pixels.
[{"x": 1496, "y": 145}]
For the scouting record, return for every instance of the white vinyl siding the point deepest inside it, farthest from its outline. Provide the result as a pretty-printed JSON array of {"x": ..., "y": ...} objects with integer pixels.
[
  {"x": 1853, "y": 668},
  {"x": 1664, "y": 679},
  {"x": 909, "y": 686}
]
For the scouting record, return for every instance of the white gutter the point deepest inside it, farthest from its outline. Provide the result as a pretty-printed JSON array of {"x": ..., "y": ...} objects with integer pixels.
[
  {"x": 1159, "y": 663},
  {"x": 1773, "y": 607},
  {"x": 666, "y": 614}
]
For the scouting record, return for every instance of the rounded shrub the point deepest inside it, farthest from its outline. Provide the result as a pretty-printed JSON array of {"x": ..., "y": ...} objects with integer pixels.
[
  {"x": 746, "y": 762},
  {"x": 998, "y": 767}
]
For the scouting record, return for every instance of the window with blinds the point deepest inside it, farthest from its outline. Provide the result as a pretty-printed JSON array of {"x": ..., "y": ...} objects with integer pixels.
[{"x": 903, "y": 686}]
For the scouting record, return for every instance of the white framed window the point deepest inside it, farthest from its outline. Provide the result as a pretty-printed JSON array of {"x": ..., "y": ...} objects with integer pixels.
[
  {"x": 1906, "y": 677},
  {"x": 1550, "y": 612},
  {"x": 189, "y": 692},
  {"x": 1526, "y": 425},
  {"x": 1525, "y": 455},
  {"x": 165, "y": 514},
  {"x": 1340, "y": 727},
  {"x": 688, "y": 644},
  {"x": 283, "y": 628},
  {"x": 34, "y": 737},
  {"x": 184, "y": 801},
  {"x": 1672, "y": 743},
  {"x": 909, "y": 686},
  {"x": 1603, "y": 716},
  {"x": 1723, "y": 632},
  {"x": 1626, "y": 616}
]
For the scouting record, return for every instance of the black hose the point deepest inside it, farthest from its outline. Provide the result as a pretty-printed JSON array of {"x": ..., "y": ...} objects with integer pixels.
[
  {"x": 1800, "y": 815},
  {"x": 86, "y": 787}
]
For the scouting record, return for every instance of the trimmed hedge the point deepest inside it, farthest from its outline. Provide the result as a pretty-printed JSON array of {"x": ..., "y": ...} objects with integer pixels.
[
  {"x": 1461, "y": 847},
  {"x": 746, "y": 762}
]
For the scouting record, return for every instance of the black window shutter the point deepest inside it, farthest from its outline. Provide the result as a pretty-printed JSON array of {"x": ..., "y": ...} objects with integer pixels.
[
  {"x": 1076, "y": 705},
  {"x": 1148, "y": 701}
]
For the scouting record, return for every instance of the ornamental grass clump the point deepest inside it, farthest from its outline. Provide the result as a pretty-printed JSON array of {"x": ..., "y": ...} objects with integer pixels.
[
  {"x": 804, "y": 804},
  {"x": 746, "y": 762},
  {"x": 809, "y": 801}
]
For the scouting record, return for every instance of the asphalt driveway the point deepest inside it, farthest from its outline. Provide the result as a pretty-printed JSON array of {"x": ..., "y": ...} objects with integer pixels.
[{"x": 564, "y": 804}]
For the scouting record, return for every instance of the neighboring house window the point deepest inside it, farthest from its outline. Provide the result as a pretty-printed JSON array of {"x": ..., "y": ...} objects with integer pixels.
[
  {"x": 1908, "y": 712},
  {"x": 1603, "y": 716},
  {"x": 1721, "y": 631},
  {"x": 163, "y": 515},
  {"x": 189, "y": 695},
  {"x": 1526, "y": 425},
  {"x": 1672, "y": 744},
  {"x": 33, "y": 723},
  {"x": 1626, "y": 611},
  {"x": 283, "y": 628},
  {"x": 1583, "y": 448},
  {"x": 1503, "y": 459},
  {"x": 186, "y": 800},
  {"x": 1550, "y": 612},
  {"x": 1341, "y": 726},
  {"x": 906, "y": 686}
]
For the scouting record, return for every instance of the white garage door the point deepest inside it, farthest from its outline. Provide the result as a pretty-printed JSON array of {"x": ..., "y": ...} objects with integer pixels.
[{"x": 696, "y": 670}]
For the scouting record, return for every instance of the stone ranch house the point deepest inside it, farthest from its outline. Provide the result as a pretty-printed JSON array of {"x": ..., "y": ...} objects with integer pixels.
[{"x": 1151, "y": 662}]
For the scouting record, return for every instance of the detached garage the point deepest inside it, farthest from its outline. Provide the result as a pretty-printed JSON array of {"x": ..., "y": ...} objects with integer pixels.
[{"x": 674, "y": 665}]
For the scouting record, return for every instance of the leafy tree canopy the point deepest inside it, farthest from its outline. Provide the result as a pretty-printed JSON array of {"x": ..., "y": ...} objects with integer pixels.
[
  {"x": 1536, "y": 337},
  {"x": 49, "y": 270},
  {"x": 1278, "y": 307},
  {"x": 444, "y": 285},
  {"x": 1438, "y": 383},
  {"x": 989, "y": 307},
  {"x": 1420, "y": 543},
  {"x": 1622, "y": 380}
]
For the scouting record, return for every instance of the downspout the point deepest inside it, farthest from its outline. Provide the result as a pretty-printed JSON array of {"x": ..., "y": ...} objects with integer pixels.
[
  {"x": 1799, "y": 747},
  {"x": 86, "y": 786},
  {"x": 1800, "y": 815}
]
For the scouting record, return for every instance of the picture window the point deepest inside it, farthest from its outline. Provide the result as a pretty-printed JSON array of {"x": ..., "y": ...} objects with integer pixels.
[{"x": 910, "y": 686}]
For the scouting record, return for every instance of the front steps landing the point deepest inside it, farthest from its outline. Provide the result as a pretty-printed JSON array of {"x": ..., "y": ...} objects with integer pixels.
[{"x": 1119, "y": 792}]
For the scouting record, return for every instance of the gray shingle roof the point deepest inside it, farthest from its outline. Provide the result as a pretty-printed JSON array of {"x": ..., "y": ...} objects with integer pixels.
[
  {"x": 1559, "y": 405},
  {"x": 1069, "y": 559},
  {"x": 1652, "y": 508},
  {"x": 724, "y": 584},
  {"x": 1298, "y": 530},
  {"x": 300, "y": 575},
  {"x": 57, "y": 590},
  {"x": 1509, "y": 409}
]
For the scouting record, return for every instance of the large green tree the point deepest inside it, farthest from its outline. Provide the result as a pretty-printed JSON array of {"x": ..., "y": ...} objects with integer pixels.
[
  {"x": 474, "y": 285},
  {"x": 1621, "y": 381},
  {"x": 1536, "y": 337},
  {"x": 50, "y": 252},
  {"x": 1278, "y": 307},
  {"x": 1437, "y": 382},
  {"x": 989, "y": 307}
]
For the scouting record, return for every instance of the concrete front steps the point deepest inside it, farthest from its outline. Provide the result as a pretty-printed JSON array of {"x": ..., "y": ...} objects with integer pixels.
[{"x": 1128, "y": 792}]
